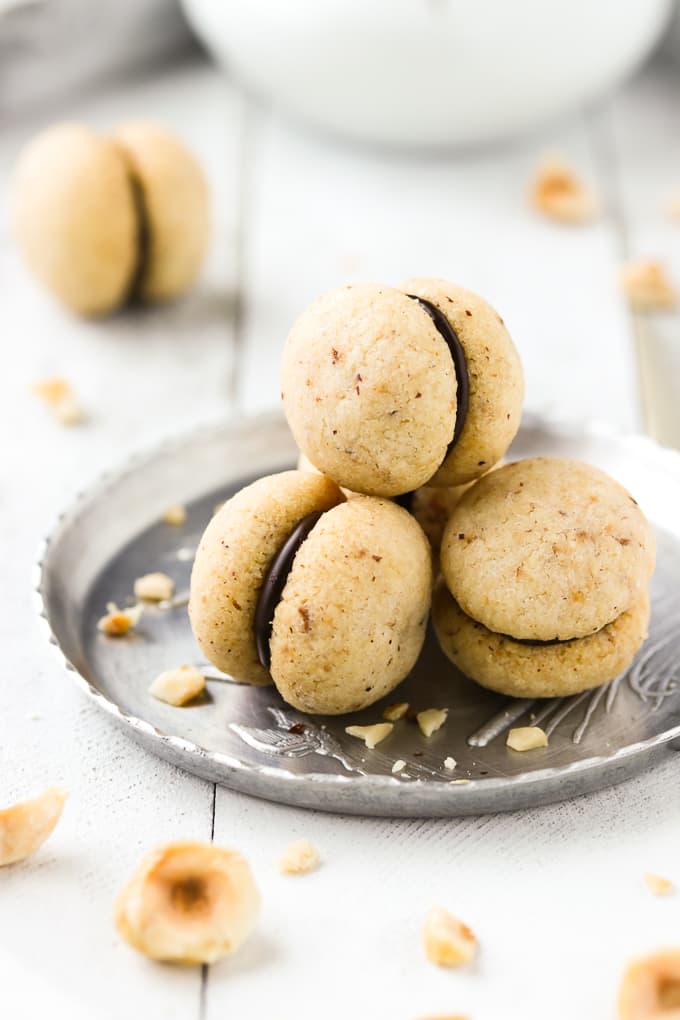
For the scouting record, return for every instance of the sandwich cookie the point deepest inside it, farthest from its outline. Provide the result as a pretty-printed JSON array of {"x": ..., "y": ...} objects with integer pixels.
[
  {"x": 546, "y": 566},
  {"x": 326, "y": 597},
  {"x": 389, "y": 389}
]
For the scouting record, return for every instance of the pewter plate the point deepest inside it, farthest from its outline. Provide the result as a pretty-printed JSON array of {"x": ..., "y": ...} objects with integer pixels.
[{"x": 248, "y": 739}]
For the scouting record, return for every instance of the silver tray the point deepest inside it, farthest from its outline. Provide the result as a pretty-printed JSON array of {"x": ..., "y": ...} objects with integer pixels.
[{"x": 241, "y": 736}]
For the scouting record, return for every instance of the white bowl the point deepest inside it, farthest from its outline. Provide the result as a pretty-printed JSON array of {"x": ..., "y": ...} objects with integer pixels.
[{"x": 428, "y": 72}]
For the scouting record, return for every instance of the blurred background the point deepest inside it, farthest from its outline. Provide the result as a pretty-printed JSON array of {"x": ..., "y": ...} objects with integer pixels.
[{"x": 349, "y": 141}]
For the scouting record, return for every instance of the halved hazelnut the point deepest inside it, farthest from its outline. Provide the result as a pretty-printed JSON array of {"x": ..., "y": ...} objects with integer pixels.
[
  {"x": 650, "y": 988},
  {"x": 559, "y": 193},
  {"x": 188, "y": 903},
  {"x": 178, "y": 686},
  {"x": 25, "y": 826},
  {"x": 154, "y": 587},
  {"x": 448, "y": 942},
  {"x": 175, "y": 515},
  {"x": 431, "y": 720},
  {"x": 299, "y": 858},
  {"x": 371, "y": 735},
  {"x": 526, "y": 738},
  {"x": 647, "y": 287},
  {"x": 118, "y": 622},
  {"x": 396, "y": 711}
]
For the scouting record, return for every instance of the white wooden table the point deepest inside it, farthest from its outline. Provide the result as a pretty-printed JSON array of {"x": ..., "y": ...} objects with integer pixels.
[{"x": 555, "y": 894}]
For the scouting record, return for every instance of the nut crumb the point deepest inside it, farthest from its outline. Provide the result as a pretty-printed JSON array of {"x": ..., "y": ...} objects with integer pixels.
[
  {"x": 188, "y": 903},
  {"x": 178, "y": 686},
  {"x": 154, "y": 587},
  {"x": 650, "y": 987},
  {"x": 175, "y": 515},
  {"x": 657, "y": 885},
  {"x": 118, "y": 622},
  {"x": 25, "y": 826},
  {"x": 647, "y": 287},
  {"x": 526, "y": 738},
  {"x": 371, "y": 735},
  {"x": 560, "y": 194},
  {"x": 448, "y": 942},
  {"x": 399, "y": 765},
  {"x": 459, "y": 782},
  {"x": 61, "y": 400},
  {"x": 395, "y": 711},
  {"x": 299, "y": 858},
  {"x": 431, "y": 720},
  {"x": 450, "y": 764}
]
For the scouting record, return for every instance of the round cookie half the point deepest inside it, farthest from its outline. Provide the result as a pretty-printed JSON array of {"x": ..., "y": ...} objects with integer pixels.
[
  {"x": 548, "y": 670},
  {"x": 75, "y": 219},
  {"x": 232, "y": 560},
  {"x": 353, "y": 614},
  {"x": 547, "y": 549},
  {"x": 369, "y": 389},
  {"x": 173, "y": 204},
  {"x": 495, "y": 380}
]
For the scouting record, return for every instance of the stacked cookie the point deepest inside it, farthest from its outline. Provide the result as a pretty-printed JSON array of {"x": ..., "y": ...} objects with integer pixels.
[{"x": 403, "y": 401}]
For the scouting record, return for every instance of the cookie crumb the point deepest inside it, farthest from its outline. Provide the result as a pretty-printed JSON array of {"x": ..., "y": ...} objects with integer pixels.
[
  {"x": 25, "y": 826},
  {"x": 396, "y": 711},
  {"x": 560, "y": 194},
  {"x": 178, "y": 686},
  {"x": 118, "y": 622},
  {"x": 647, "y": 287},
  {"x": 459, "y": 782},
  {"x": 154, "y": 587},
  {"x": 657, "y": 885},
  {"x": 61, "y": 400},
  {"x": 650, "y": 987},
  {"x": 431, "y": 720},
  {"x": 371, "y": 735},
  {"x": 450, "y": 764},
  {"x": 526, "y": 738},
  {"x": 299, "y": 858},
  {"x": 398, "y": 765},
  {"x": 175, "y": 515},
  {"x": 448, "y": 942}
]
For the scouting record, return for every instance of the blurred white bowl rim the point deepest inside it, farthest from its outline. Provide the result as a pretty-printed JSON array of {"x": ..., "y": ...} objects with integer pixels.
[{"x": 429, "y": 72}]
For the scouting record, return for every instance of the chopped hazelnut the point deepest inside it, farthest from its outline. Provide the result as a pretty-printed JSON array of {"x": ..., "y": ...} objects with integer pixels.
[
  {"x": 154, "y": 587},
  {"x": 175, "y": 515},
  {"x": 371, "y": 735},
  {"x": 650, "y": 988},
  {"x": 299, "y": 858},
  {"x": 450, "y": 764},
  {"x": 657, "y": 885},
  {"x": 61, "y": 400},
  {"x": 398, "y": 765},
  {"x": 188, "y": 903},
  {"x": 118, "y": 622},
  {"x": 431, "y": 720},
  {"x": 448, "y": 942},
  {"x": 558, "y": 192},
  {"x": 526, "y": 738},
  {"x": 25, "y": 826},
  {"x": 396, "y": 711},
  {"x": 647, "y": 286},
  {"x": 178, "y": 686}
]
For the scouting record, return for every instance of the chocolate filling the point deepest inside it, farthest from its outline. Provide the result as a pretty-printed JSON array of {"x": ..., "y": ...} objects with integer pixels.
[
  {"x": 450, "y": 337},
  {"x": 273, "y": 584}
]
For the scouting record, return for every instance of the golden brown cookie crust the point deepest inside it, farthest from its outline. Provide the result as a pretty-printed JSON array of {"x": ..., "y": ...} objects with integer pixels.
[
  {"x": 232, "y": 559},
  {"x": 369, "y": 389},
  {"x": 352, "y": 618},
  {"x": 537, "y": 671},
  {"x": 547, "y": 548},
  {"x": 495, "y": 377}
]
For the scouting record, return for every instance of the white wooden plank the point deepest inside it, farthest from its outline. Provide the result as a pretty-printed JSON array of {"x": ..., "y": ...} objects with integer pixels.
[
  {"x": 140, "y": 376},
  {"x": 324, "y": 214}
]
